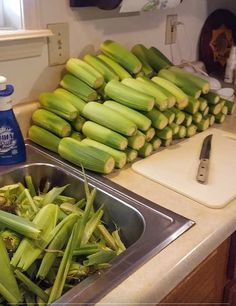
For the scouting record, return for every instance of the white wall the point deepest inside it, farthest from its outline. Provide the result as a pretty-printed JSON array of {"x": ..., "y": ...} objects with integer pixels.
[{"x": 90, "y": 26}]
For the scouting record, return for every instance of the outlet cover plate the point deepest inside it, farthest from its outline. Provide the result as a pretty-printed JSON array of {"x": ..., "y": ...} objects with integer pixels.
[
  {"x": 58, "y": 44},
  {"x": 171, "y": 29}
]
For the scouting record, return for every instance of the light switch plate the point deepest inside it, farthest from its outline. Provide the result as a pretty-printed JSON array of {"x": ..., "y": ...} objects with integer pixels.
[{"x": 58, "y": 44}]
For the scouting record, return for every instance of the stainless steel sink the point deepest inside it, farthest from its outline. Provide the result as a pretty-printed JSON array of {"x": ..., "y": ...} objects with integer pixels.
[{"x": 146, "y": 228}]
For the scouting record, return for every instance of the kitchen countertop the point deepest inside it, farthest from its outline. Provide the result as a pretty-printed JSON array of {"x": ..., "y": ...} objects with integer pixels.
[{"x": 156, "y": 278}]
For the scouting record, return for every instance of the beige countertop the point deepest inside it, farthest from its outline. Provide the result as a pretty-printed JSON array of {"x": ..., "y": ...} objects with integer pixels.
[{"x": 156, "y": 278}]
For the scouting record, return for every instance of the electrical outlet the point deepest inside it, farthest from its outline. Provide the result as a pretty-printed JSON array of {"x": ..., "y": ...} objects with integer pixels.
[
  {"x": 171, "y": 29},
  {"x": 58, "y": 44}
]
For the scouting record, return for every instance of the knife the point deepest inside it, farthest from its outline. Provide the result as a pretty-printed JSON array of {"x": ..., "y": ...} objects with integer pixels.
[{"x": 203, "y": 168}]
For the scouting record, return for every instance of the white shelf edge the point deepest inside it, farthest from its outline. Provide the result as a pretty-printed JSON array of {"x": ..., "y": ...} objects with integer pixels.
[{"x": 9, "y": 35}]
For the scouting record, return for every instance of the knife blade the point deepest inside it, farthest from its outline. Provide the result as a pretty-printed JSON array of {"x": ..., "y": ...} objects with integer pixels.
[{"x": 203, "y": 168}]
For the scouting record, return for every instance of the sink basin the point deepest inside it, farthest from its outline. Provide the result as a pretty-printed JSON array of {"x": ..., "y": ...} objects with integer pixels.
[{"x": 146, "y": 228}]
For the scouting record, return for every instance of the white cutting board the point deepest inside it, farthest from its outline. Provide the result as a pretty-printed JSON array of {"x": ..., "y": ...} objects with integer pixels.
[{"x": 176, "y": 167}]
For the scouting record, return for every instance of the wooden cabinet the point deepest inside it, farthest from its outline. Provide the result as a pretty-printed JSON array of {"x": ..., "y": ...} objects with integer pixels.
[
  {"x": 230, "y": 288},
  {"x": 206, "y": 283}
]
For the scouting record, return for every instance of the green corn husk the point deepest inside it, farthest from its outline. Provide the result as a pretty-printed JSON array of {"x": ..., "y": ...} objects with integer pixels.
[
  {"x": 30, "y": 185},
  {"x": 20, "y": 225},
  {"x": 91, "y": 225},
  {"x": 107, "y": 236},
  {"x": 64, "y": 267},
  {"x": 28, "y": 251},
  {"x": 57, "y": 243},
  {"x": 8, "y": 286},
  {"x": 52, "y": 194},
  {"x": 119, "y": 243},
  {"x": 103, "y": 256},
  {"x": 31, "y": 285}
]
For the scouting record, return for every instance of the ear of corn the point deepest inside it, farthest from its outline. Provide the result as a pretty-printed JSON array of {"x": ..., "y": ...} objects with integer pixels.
[
  {"x": 182, "y": 82},
  {"x": 187, "y": 120},
  {"x": 104, "y": 135},
  {"x": 157, "y": 59},
  {"x": 77, "y": 135},
  {"x": 141, "y": 52},
  {"x": 179, "y": 115},
  {"x": 231, "y": 106},
  {"x": 119, "y": 156},
  {"x": 193, "y": 105},
  {"x": 159, "y": 120},
  {"x": 78, "y": 123},
  {"x": 107, "y": 72},
  {"x": 145, "y": 85},
  {"x": 119, "y": 70},
  {"x": 149, "y": 134},
  {"x": 84, "y": 72},
  {"x": 129, "y": 96},
  {"x": 174, "y": 127},
  {"x": 181, "y": 97},
  {"x": 215, "y": 108},
  {"x": 197, "y": 117},
  {"x": 146, "y": 150},
  {"x": 219, "y": 118},
  {"x": 165, "y": 133},
  {"x": 198, "y": 81},
  {"x": 203, "y": 103},
  {"x": 203, "y": 124},
  {"x": 170, "y": 115},
  {"x": 137, "y": 141},
  {"x": 121, "y": 55},
  {"x": 51, "y": 122},
  {"x": 44, "y": 138},
  {"x": 191, "y": 130},
  {"x": 131, "y": 154},
  {"x": 78, "y": 88},
  {"x": 156, "y": 143},
  {"x": 143, "y": 123},
  {"x": 181, "y": 133},
  {"x": 212, "y": 97},
  {"x": 91, "y": 158},
  {"x": 73, "y": 99},
  {"x": 109, "y": 118},
  {"x": 58, "y": 105}
]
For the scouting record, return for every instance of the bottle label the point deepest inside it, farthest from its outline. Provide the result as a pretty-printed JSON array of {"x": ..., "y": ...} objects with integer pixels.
[{"x": 7, "y": 141}]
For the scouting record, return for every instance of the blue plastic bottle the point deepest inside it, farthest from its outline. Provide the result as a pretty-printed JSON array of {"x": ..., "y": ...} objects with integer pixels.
[{"x": 12, "y": 146}]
